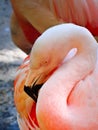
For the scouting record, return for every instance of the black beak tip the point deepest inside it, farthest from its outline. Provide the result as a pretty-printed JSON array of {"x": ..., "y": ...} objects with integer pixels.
[
  {"x": 33, "y": 91},
  {"x": 29, "y": 91}
]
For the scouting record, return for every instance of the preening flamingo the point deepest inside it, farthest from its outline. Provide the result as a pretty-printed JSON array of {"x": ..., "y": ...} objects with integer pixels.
[
  {"x": 67, "y": 100},
  {"x": 33, "y": 17}
]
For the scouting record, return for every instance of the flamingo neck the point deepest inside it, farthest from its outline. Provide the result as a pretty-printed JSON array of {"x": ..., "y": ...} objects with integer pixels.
[
  {"x": 53, "y": 110},
  {"x": 53, "y": 106}
]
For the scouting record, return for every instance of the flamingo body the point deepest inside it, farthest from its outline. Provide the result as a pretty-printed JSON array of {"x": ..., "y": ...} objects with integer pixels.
[
  {"x": 24, "y": 104},
  {"x": 68, "y": 98}
]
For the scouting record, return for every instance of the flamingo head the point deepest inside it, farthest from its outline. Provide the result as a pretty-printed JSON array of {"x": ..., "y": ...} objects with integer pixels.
[{"x": 42, "y": 63}]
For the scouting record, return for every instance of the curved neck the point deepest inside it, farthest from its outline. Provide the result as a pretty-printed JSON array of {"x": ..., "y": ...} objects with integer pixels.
[
  {"x": 80, "y": 38},
  {"x": 82, "y": 63},
  {"x": 85, "y": 59},
  {"x": 58, "y": 88}
]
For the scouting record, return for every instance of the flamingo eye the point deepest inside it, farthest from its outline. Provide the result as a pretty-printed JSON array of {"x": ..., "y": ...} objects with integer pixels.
[{"x": 46, "y": 62}]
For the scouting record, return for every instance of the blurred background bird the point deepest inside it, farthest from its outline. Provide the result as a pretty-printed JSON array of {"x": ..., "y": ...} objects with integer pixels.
[{"x": 29, "y": 20}]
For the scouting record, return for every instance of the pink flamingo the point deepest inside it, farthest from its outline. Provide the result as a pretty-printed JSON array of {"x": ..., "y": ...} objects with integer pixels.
[{"x": 68, "y": 97}]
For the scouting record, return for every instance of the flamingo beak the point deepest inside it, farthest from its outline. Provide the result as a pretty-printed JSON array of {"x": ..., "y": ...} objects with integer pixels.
[
  {"x": 32, "y": 85},
  {"x": 33, "y": 91}
]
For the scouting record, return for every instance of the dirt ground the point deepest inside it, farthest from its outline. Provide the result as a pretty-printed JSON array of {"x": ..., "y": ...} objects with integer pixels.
[{"x": 10, "y": 58}]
